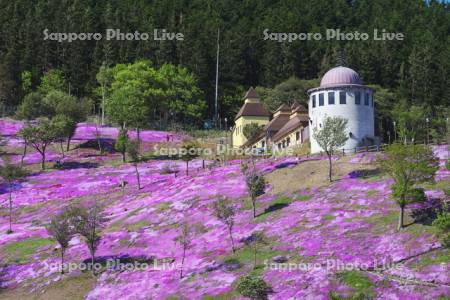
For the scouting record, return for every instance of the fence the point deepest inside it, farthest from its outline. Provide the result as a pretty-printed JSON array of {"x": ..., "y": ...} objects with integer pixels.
[{"x": 377, "y": 148}]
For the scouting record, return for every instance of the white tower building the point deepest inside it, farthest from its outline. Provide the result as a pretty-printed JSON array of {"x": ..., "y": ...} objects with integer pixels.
[{"x": 342, "y": 93}]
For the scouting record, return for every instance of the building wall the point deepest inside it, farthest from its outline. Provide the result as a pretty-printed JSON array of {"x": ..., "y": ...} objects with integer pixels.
[
  {"x": 290, "y": 140},
  {"x": 238, "y": 138},
  {"x": 360, "y": 117}
]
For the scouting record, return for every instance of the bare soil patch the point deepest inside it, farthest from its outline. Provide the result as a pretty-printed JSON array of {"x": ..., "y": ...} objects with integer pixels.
[
  {"x": 313, "y": 173},
  {"x": 70, "y": 288}
]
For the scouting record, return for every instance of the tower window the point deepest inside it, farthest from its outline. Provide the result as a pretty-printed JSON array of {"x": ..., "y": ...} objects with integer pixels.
[
  {"x": 314, "y": 101},
  {"x": 342, "y": 97},
  {"x": 366, "y": 99},
  {"x": 297, "y": 135},
  {"x": 321, "y": 99},
  {"x": 330, "y": 98},
  {"x": 358, "y": 98}
]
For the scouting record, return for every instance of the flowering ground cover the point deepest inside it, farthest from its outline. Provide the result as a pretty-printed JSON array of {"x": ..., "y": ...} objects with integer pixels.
[
  {"x": 85, "y": 133},
  {"x": 339, "y": 239}
]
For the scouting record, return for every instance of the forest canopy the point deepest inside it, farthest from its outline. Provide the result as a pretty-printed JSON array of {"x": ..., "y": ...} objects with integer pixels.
[{"x": 413, "y": 71}]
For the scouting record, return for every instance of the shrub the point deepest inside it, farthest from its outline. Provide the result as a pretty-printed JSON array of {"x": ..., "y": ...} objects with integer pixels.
[
  {"x": 447, "y": 164},
  {"x": 442, "y": 225},
  {"x": 253, "y": 287}
]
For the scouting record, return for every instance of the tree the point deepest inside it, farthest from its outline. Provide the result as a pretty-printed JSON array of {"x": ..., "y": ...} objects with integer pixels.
[
  {"x": 255, "y": 185},
  {"x": 104, "y": 77},
  {"x": 25, "y": 133},
  {"x": 53, "y": 80},
  {"x": 189, "y": 150},
  {"x": 410, "y": 122},
  {"x": 7, "y": 86},
  {"x": 253, "y": 287},
  {"x": 26, "y": 78},
  {"x": 185, "y": 240},
  {"x": 133, "y": 154},
  {"x": 64, "y": 128},
  {"x": 442, "y": 224},
  {"x": 61, "y": 230},
  {"x": 98, "y": 138},
  {"x": 121, "y": 143},
  {"x": 42, "y": 135},
  {"x": 89, "y": 223},
  {"x": 408, "y": 165},
  {"x": 225, "y": 212},
  {"x": 183, "y": 98},
  {"x": 31, "y": 107},
  {"x": 127, "y": 106},
  {"x": 256, "y": 240},
  {"x": 60, "y": 103},
  {"x": 135, "y": 92},
  {"x": 11, "y": 174},
  {"x": 55, "y": 103},
  {"x": 331, "y": 137},
  {"x": 288, "y": 91},
  {"x": 251, "y": 130}
]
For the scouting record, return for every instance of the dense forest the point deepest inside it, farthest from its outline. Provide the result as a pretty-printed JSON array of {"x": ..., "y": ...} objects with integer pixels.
[{"x": 414, "y": 71}]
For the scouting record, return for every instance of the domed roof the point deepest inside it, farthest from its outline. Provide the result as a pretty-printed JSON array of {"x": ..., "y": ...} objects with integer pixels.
[{"x": 340, "y": 76}]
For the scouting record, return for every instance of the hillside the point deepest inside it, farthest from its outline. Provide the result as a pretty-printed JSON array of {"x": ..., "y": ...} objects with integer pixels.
[{"x": 311, "y": 229}]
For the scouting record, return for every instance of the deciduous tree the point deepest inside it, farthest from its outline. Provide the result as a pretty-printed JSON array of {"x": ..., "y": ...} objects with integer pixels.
[
  {"x": 255, "y": 184},
  {"x": 61, "y": 230},
  {"x": 225, "y": 212},
  {"x": 104, "y": 77},
  {"x": 185, "y": 240},
  {"x": 133, "y": 154},
  {"x": 188, "y": 151},
  {"x": 121, "y": 143},
  {"x": 89, "y": 223},
  {"x": 11, "y": 174},
  {"x": 42, "y": 135},
  {"x": 330, "y": 137},
  {"x": 408, "y": 165}
]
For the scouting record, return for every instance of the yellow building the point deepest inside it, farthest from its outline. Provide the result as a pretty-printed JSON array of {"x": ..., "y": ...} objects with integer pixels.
[
  {"x": 265, "y": 137},
  {"x": 251, "y": 112}
]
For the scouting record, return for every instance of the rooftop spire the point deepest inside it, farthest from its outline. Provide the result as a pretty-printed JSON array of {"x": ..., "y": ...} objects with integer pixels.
[
  {"x": 251, "y": 93},
  {"x": 340, "y": 58}
]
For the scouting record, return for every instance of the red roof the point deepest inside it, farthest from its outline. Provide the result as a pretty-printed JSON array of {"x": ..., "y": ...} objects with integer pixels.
[
  {"x": 251, "y": 93},
  {"x": 255, "y": 109}
]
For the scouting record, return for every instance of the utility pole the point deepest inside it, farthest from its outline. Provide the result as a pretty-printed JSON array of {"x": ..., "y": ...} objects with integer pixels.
[{"x": 216, "y": 106}]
